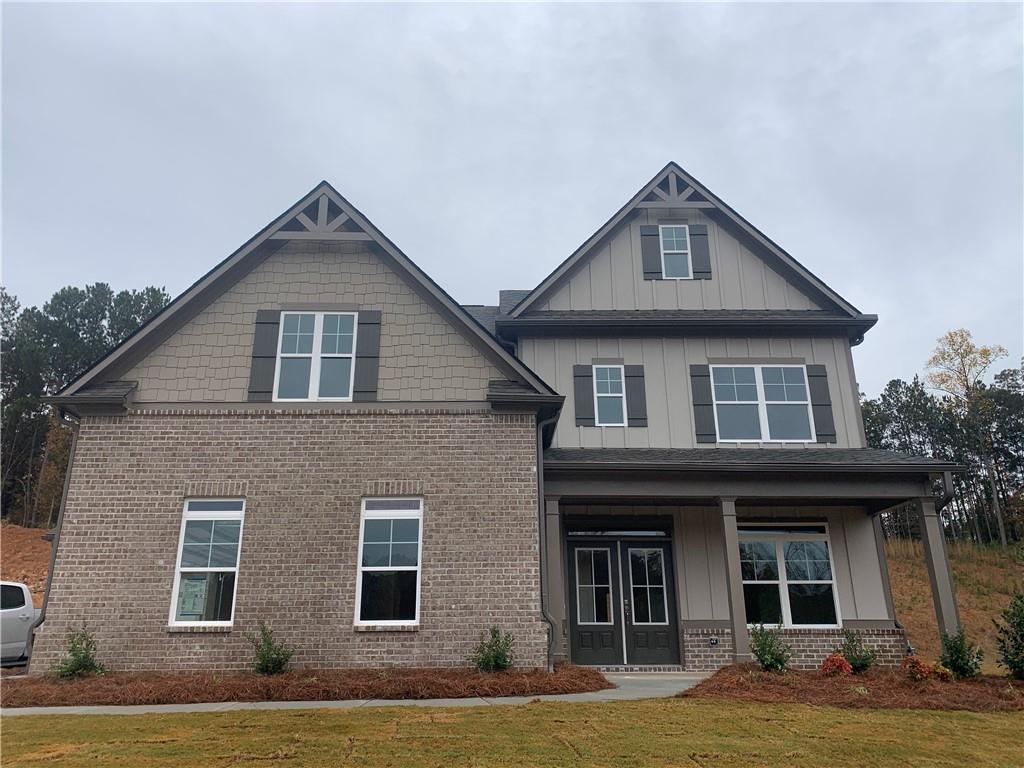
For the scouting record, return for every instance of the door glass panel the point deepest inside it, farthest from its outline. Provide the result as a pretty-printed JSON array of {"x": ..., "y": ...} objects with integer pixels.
[
  {"x": 641, "y": 610},
  {"x": 594, "y": 586},
  {"x": 647, "y": 572},
  {"x": 584, "y": 567},
  {"x": 603, "y": 605},
  {"x": 657, "y": 599}
]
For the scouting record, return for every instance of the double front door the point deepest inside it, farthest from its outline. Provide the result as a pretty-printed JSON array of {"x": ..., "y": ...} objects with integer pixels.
[{"x": 622, "y": 602}]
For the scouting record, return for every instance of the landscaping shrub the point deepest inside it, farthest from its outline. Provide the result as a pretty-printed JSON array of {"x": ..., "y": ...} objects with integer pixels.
[
  {"x": 836, "y": 665},
  {"x": 494, "y": 653},
  {"x": 1010, "y": 636},
  {"x": 914, "y": 668},
  {"x": 767, "y": 647},
  {"x": 960, "y": 656},
  {"x": 271, "y": 656},
  {"x": 79, "y": 654},
  {"x": 939, "y": 672},
  {"x": 860, "y": 656}
]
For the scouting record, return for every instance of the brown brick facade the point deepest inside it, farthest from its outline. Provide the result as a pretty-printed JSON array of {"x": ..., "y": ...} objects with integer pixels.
[{"x": 303, "y": 475}]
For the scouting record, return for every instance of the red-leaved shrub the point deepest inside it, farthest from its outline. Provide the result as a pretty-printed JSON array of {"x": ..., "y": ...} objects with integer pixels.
[
  {"x": 915, "y": 668},
  {"x": 836, "y": 665}
]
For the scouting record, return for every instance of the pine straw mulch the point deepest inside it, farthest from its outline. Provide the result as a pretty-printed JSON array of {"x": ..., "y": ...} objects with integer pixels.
[
  {"x": 876, "y": 689},
  {"x": 297, "y": 685}
]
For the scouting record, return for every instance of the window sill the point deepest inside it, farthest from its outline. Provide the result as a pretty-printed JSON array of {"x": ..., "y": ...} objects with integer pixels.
[
  {"x": 386, "y": 627},
  {"x": 199, "y": 629}
]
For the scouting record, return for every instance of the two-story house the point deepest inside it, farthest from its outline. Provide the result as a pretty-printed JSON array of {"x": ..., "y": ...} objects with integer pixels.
[{"x": 655, "y": 448}]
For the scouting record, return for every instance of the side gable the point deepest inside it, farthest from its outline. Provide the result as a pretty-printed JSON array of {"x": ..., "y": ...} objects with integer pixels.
[
  {"x": 289, "y": 253},
  {"x": 748, "y": 270}
]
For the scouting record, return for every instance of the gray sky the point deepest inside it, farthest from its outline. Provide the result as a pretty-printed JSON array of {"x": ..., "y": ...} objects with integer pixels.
[{"x": 881, "y": 145}]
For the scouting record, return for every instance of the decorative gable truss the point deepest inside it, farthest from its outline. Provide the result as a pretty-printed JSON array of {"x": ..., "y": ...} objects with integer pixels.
[
  {"x": 322, "y": 219},
  {"x": 674, "y": 192}
]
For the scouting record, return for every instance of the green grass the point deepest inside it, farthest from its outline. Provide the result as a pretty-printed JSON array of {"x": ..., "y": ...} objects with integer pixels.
[{"x": 668, "y": 732}]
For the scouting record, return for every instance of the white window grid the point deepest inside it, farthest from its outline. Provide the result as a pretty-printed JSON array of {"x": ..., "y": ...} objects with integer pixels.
[
  {"x": 782, "y": 582},
  {"x": 593, "y": 585},
  {"x": 214, "y": 515},
  {"x": 762, "y": 404},
  {"x": 676, "y": 251},
  {"x": 389, "y": 514},
  {"x": 315, "y": 355},
  {"x": 621, "y": 394},
  {"x": 647, "y": 552}
]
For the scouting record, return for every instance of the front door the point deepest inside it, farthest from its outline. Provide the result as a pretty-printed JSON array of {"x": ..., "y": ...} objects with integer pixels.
[{"x": 622, "y": 605}]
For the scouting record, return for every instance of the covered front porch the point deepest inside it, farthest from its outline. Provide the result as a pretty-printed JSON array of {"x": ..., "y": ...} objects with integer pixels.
[{"x": 665, "y": 566}]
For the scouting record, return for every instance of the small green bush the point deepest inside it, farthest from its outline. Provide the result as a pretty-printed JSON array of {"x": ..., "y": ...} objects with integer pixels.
[
  {"x": 271, "y": 656},
  {"x": 494, "y": 653},
  {"x": 767, "y": 647},
  {"x": 960, "y": 656},
  {"x": 1010, "y": 636},
  {"x": 79, "y": 654},
  {"x": 860, "y": 656}
]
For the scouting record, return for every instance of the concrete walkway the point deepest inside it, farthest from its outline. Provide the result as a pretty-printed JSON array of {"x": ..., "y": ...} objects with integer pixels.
[{"x": 629, "y": 687}]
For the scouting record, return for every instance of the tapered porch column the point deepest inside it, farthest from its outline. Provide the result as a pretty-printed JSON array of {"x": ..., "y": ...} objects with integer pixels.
[
  {"x": 936, "y": 558},
  {"x": 734, "y": 576},
  {"x": 554, "y": 587}
]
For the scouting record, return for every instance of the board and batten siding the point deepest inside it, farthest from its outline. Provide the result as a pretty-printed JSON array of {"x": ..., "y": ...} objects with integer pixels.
[
  {"x": 666, "y": 363},
  {"x": 612, "y": 278}
]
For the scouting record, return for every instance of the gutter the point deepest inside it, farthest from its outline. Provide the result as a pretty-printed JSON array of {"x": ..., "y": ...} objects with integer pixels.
[
  {"x": 74, "y": 424},
  {"x": 605, "y": 466},
  {"x": 948, "y": 491},
  {"x": 542, "y": 539}
]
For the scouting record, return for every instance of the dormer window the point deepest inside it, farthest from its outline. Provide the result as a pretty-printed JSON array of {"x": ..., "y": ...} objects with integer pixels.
[
  {"x": 675, "y": 252},
  {"x": 315, "y": 356}
]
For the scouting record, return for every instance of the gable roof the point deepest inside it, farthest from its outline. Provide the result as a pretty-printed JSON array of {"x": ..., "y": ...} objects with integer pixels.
[
  {"x": 324, "y": 215},
  {"x": 672, "y": 187}
]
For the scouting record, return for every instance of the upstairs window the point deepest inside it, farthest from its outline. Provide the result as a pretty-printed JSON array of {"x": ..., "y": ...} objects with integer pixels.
[
  {"x": 206, "y": 580},
  {"x": 388, "y": 586},
  {"x": 675, "y": 252},
  {"x": 315, "y": 356},
  {"x": 609, "y": 396},
  {"x": 762, "y": 403}
]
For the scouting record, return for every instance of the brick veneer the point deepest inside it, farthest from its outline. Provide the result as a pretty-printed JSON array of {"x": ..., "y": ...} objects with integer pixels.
[
  {"x": 302, "y": 475},
  {"x": 810, "y": 647}
]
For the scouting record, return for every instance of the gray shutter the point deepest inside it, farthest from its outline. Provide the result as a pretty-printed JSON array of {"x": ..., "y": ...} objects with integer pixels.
[
  {"x": 700, "y": 252},
  {"x": 703, "y": 405},
  {"x": 636, "y": 396},
  {"x": 264, "y": 355},
  {"x": 364, "y": 389},
  {"x": 583, "y": 394},
  {"x": 650, "y": 251},
  {"x": 821, "y": 404}
]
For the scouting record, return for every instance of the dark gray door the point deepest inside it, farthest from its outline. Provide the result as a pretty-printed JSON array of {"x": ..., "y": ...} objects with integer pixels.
[
  {"x": 652, "y": 632},
  {"x": 595, "y": 603}
]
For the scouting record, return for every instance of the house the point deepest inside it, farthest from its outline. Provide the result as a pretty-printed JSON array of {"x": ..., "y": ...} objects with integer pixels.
[{"x": 626, "y": 466}]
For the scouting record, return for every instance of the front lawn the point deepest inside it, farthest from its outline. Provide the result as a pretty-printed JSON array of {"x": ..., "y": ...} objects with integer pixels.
[{"x": 660, "y": 732}]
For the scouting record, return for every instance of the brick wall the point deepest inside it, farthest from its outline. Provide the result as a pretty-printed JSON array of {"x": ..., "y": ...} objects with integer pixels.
[
  {"x": 810, "y": 647},
  {"x": 302, "y": 475}
]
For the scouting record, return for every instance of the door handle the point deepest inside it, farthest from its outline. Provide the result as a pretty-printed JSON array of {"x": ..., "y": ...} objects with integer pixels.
[{"x": 24, "y": 617}]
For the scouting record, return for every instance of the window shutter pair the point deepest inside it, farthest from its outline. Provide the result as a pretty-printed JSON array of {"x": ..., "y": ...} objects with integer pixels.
[
  {"x": 583, "y": 394},
  {"x": 650, "y": 251},
  {"x": 264, "y": 356},
  {"x": 704, "y": 408}
]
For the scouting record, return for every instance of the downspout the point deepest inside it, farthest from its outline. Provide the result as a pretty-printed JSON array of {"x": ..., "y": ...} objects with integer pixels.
[
  {"x": 74, "y": 424},
  {"x": 948, "y": 492},
  {"x": 542, "y": 531}
]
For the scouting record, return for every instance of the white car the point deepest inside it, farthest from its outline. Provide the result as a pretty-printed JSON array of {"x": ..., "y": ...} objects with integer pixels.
[{"x": 16, "y": 619}]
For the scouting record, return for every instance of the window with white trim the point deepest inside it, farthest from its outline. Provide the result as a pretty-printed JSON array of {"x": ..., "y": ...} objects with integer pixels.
[
  {"x": 206, "y": 574},
  {"x": 609, "y": 396},
  {"x": 316, "y": 356},
  {"x": 788, "y": 577},
  {"x": 763, "y": 403},
  {"x": 390, "y": 545},
  {"x": 593, "y": 585},
  {"x": 675, "y": 252},
  {"x": 647, "y": 585}
]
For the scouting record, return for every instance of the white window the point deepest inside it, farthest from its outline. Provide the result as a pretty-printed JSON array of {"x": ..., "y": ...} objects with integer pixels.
[
  {"x": 316, "y": 356},
  {"x": 206, "y": 577},
  {"x": 788, "y": 576},
  {"x": 647, "y": 585},
  {"x": 609, "y": 396},
  {"x": 675, "y": 252},
  {"x": 390, "y": 545},
  {"x": 593, "y": 586},
  {"x": 762, "y": 403}
]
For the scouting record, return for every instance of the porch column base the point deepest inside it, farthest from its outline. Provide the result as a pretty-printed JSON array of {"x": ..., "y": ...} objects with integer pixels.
[{"x": 737, "y": 608}]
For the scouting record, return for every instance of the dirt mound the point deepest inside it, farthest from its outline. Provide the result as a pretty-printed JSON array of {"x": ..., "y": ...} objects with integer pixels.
[{"x": 25, "y": 557}]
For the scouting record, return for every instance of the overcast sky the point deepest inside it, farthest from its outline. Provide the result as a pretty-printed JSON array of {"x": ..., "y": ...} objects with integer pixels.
[{"x": 881, "y": 145}]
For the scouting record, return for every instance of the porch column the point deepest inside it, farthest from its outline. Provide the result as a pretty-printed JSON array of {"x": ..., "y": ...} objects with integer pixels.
[
  {"x": 934, "y": 539},
  {"x": 734, "y": 576},
  {"x": 555, "y": 586}
]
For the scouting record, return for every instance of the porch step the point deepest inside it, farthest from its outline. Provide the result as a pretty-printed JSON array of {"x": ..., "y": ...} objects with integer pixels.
[{"x": 638, "y": 668}]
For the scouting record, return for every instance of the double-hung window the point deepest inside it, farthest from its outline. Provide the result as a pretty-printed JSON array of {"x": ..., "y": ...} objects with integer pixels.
[
  {"x": 388, "y": 583},
  {"x": 206, "y": 576},
  {"x": 609, "y": 396},
  {"x": 765, "y": 403},
  {"x": 316, "y": 356},
  {"x": 675, "y": 252},
  {"x": 788, "y": 576}
]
